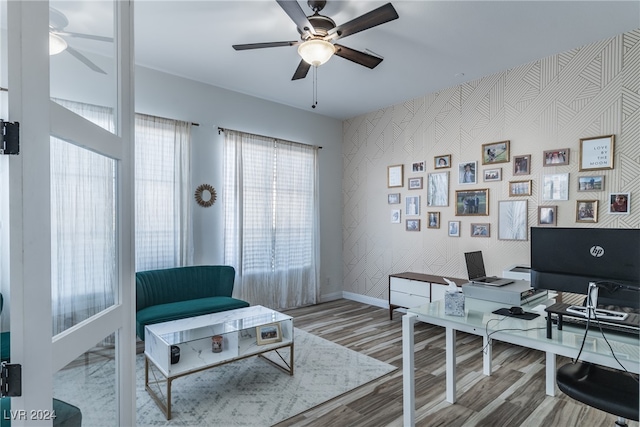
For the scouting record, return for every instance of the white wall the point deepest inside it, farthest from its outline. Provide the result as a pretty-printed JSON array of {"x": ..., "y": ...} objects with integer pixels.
[{"x": 169, "y": 96}]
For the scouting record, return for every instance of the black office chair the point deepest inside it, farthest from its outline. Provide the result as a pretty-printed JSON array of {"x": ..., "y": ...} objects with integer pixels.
[{"x": 609, "y": 390}]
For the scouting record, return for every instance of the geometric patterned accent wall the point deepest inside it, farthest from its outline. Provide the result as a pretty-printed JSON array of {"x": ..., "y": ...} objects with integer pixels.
[{"x": 544, "y": 105}]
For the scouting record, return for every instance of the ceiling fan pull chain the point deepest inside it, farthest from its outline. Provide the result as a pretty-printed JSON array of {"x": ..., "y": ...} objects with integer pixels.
[{"x": 315, "y": 86}]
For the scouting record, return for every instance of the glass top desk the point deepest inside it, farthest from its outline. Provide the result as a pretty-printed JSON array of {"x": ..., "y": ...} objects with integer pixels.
[{"x": 479, "y": 320}]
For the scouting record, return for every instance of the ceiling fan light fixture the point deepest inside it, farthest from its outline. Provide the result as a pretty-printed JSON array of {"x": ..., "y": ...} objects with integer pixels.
[
  {"x": 56, "y": 44},
  {"x": 316, "y": 51}
]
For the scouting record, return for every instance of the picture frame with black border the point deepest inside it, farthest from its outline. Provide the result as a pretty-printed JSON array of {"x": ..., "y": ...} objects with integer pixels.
[
  {"x": 596, "y": 153},
  {"x": 481, "y": 229},
  {"x": 522, "y": 164},
  {"x": 556, "y": 157},
  {"x": 495, "y": 152},
  {"x": 547, "y": 216},
  {"x": 591, "y": 183},
  {"x": 393, "y": 198},
  {"x": 492, "y": 174},
  {"x": 441, "y": 162},
  {"x": 268, "y": 334},
  {"x": 587, "y": 211}
]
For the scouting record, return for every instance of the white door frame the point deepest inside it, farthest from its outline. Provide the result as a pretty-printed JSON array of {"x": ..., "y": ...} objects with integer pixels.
[{"x": 29, "y": 208}]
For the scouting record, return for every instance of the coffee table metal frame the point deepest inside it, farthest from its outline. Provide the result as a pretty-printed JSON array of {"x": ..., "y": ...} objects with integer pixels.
[{"x": 193, "y": 336}]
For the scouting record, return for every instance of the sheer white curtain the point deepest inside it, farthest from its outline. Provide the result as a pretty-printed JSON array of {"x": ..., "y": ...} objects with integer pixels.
[
  {"x": 83, "y": 264},
  {"x": 271, "y": 219},
  {"x": 83, "y": 186},
  {"x": 164, "y": 236}
]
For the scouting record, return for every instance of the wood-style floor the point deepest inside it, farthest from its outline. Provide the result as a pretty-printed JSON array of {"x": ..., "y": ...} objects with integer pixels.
[{"x": 514, "y": 395}]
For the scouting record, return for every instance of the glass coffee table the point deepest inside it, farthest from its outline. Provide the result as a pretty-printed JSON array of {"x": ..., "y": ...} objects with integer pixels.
[{"x": 182, "y": 347}]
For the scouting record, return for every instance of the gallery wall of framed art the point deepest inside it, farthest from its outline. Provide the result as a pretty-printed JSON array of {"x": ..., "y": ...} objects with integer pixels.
[{"x": 526, "y": 163}]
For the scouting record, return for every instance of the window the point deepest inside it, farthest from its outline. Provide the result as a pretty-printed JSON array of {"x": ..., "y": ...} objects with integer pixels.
[
  {"x": 271, "y": 238},
  {"x": 83, "y": 204}
]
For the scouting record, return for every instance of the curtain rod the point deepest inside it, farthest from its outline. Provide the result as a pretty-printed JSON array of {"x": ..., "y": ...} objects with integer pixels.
[
  {"x": 166, "y": 118},
  {"x": 221, "y": 129}
]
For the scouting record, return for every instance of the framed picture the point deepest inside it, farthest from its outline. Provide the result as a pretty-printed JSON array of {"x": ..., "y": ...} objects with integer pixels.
[
  {"x": 472, "y": 202},
  {"x": 413, "y": 205},
  {"x": 438, "y": 189},
  {"x": 415, "y": 183},
  {"x": 267, "y": 334},
  {"x": 413, "y": 225},
  {"x": 556, "y": 157},
  {"x": 467, "y": 172},
  {"x": 587, "y": 211},
  {"x": 443, "y": 161},
  {"x": 393, "y": 198},
  {"x": 522, "y": 165},
  {"x": 596, "y": 153},
  {"x": 555, "y": 186},
  {"x": 619, "y": 203},
  {"x": 495, "y": 152},
  {"x": 395, "y": 216},
  {"x": 520, "y": 188},
  {"x": 591, "y": 183},
  {"x": 454, "y": 229},
  {"x": 492, "y": 174},
  {"x": 434, "y": 219},
  {"x": 481, "y": 230},
  {"x": 418, "y": 166},
  {"x": 547, "y": 216},
  {"x": 395, "y": 176},
  {"x": 512, "y": 220}
]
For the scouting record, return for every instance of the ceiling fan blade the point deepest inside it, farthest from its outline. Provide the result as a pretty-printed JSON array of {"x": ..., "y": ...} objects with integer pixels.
[
  {"x": 295, "y": 12},
  {"x": 84, "y": 36},
  {"x": 301, "y": 71},
  {"x": 358, "y": 57},
  {"x": 263, "y": 45},
  {"x": 371, "y": 19},
  {"x": 84, "y": 60}
]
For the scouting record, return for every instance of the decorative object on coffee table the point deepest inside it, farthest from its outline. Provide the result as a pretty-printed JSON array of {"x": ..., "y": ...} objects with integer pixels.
[{"x": 216, "y": 343}]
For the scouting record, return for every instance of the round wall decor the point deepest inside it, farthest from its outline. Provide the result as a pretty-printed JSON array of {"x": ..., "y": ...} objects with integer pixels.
[{"x": 205, "y": 195}]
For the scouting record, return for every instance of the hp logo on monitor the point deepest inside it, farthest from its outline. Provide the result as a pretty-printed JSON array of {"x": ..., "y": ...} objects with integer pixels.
[{"x": 596, "y": 251}]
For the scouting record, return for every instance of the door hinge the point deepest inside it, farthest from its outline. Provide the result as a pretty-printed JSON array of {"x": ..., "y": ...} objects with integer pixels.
[
  {"x": 9, "y": 137},
  {"x": 10, "y": 380}
]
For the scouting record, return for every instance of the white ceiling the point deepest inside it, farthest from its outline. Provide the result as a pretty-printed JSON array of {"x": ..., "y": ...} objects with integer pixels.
[{"x": 432, "y": 46}]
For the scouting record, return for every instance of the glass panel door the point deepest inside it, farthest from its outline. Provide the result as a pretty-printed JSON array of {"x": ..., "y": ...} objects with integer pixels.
[{"x": 82, "y": 53}]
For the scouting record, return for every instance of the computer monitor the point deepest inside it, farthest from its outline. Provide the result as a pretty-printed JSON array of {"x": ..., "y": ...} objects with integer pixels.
[{"x": 567, "y": 259}]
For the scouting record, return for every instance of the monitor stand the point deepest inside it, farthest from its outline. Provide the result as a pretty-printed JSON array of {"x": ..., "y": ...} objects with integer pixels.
[{"x": 591, "y": 311}]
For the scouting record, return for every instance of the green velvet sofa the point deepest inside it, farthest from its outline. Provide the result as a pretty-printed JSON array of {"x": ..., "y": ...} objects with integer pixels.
[{"x": 176, "y": 293}]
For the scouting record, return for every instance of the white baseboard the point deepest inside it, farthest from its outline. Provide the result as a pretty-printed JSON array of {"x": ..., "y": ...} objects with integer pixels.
[
  {"x": 382, "y": 303},
  {"x": 330, "y": 297}
]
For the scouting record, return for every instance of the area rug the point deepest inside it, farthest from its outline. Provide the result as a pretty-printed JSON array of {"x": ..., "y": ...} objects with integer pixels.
[{"x": 249, "y": 392}]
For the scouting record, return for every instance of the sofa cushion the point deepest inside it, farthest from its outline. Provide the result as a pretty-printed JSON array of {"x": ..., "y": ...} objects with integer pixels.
[
  {"x": 181, "y": 309},
  {"x": 169, "y": 285}
]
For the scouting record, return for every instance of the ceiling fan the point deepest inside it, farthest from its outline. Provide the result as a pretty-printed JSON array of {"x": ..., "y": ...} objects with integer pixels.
[
  {"x": 58, "y": 43},
  {"x": 318, "y": 34}
]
